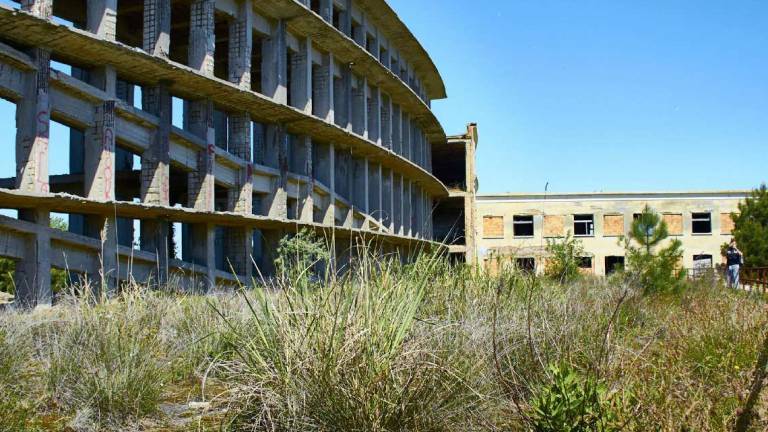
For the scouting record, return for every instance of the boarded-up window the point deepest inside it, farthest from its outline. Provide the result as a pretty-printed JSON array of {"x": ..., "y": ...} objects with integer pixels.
[
  {"x": 493, "y": 227},
  {"x": 554, "y": 226},
  {"x": 674, "y": 223},
  {"x": 613, "y": 225},
  {"x": 726, "y": 224}
]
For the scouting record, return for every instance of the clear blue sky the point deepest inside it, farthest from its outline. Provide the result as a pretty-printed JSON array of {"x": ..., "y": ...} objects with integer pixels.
[{"x": 586, "y": 94}]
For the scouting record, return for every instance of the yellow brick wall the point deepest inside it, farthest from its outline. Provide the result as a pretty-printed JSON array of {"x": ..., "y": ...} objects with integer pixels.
[
  {"x": 613, "y": 225},
  {"x": 493, "y": 227}
]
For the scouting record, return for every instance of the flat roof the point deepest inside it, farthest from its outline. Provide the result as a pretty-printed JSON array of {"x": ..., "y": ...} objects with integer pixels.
[
  {"x": 407, "y": 43},
  {"x": 607, "y": 196}
]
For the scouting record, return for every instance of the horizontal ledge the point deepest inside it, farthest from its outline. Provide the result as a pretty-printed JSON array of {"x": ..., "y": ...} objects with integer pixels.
[{"x": 66, "y": 203}]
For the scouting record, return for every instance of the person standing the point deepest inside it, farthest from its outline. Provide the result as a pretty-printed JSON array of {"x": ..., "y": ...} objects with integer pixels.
[{"x": 734, "y": 260}]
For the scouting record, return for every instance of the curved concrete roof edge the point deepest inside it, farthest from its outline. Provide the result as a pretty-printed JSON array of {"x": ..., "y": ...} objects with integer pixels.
[{"x": 434, "y": 81}]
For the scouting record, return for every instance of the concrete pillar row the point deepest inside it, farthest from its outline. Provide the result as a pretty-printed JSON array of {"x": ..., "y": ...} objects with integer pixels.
[
  {"x": 33, "y": 272},
  {"x": 157, "y": 27},
  {"x": 301, "y": 77}
]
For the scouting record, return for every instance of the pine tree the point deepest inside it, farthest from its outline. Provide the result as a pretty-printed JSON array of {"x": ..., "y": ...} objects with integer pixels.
[
  {"x": 751, "y": 228},
  {"x": 655, "y": 268}
]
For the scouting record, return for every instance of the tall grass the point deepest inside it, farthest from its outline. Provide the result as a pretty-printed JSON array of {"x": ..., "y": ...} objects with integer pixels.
[{"x": 385, "y": 347}]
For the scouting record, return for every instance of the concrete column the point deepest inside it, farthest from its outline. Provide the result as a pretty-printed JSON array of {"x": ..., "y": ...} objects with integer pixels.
[
  {"x": 322, "y": 89},
  {"x": 415, "y": 144},
  {"x": 326, "y": 10},
  {"x": 239, "y": 240},
  {"x": 301, "y": 77},
  {"x": 240, "y": 146},
  {"x": 360, "y": 189},
  {"x": 407, "y": 210},
  {"x": 99, "y": 162},
  {"x": 346, "y": 18},
  {"x": 199, "y": 120},
  {"x": 155, "y": 177},
  {"x": 202, "y": 40},
  {"x": 39, "y": 8},
  {"x": 99, "y": 185},
  {"x": 397, "y": 203},
  {"x": 33, "y": 272},
  {"x": 241, "y": 45},
  {"x": 238, "y": 249},
  {"x": 374, "y": 115},
  {"x": 157, "y": 27},
  {"x": 342, "y": 98},
  {"x": 406, "y": 140},
  {"x": 302, "y": 153},
  {"x": 397, "y": 137},
  {"x": 374, "y": 190},
  {"x": 323, "y": 170},
  {"x": 386, "y": 122},
  {"x": 200, "y": 184},
  {"x": 359, "y": 100},
  {"x": 32, "y": 126},
  {"x": 274, "y": 70},
  {"x": 271, "y": 243},
  {"x": 416, "y": 210},
  {"x": 102, "y": 18},
  {"x": 275, "y": 155},
  {"x": 387, "y": 203}
]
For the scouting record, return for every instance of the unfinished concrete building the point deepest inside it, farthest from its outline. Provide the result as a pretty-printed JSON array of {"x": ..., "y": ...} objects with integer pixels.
[
  {"x": 202, "y": 131},
  {"x": 454, "y": 165}
]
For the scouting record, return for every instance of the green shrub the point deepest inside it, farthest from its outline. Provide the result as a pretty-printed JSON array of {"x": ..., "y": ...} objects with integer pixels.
[
  {"x": 563, "y": 260},
  {"x": 298, "y": 255},
  {"x": 572, "y": 403}
]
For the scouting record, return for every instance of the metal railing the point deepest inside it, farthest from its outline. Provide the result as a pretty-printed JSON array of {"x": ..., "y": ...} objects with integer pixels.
[{"x": 755, "y": 277}]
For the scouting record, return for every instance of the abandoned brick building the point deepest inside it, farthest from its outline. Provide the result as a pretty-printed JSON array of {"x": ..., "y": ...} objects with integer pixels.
[{"x": 200, "y": 132}]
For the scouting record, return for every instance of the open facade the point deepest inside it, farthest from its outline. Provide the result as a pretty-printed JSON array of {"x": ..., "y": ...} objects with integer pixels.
[{"x": 201, "y": 132}]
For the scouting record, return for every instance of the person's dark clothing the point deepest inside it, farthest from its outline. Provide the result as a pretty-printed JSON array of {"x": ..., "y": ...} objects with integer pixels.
[{"x": 733, "y": 257}]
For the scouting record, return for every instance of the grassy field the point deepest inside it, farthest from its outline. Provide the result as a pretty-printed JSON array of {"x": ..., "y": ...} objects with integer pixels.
[{"x": 423, "y": 347}]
